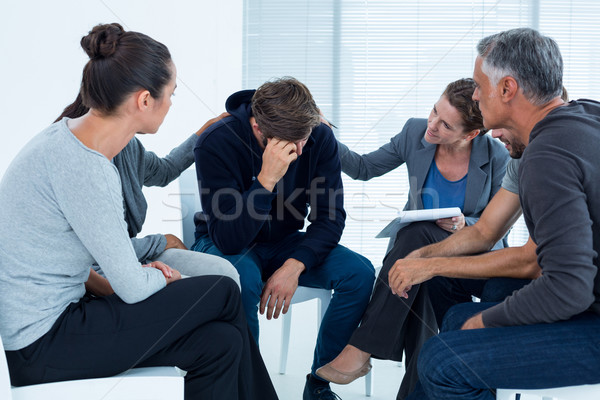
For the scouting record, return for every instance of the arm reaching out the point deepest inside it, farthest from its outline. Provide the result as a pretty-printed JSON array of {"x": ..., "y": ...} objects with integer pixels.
[
  {"x": 210, "y": 122},
  {"x": 443, "y": 258},
  {"x": 511, "y": 262},
  {"x": 497, "y": 218}
]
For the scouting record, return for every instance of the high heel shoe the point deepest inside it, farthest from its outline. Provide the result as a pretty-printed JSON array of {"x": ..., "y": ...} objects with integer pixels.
[{"x": 333, "y": 375}]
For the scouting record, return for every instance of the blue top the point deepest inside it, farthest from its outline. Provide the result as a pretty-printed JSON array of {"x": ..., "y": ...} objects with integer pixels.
[
  {"x": 439, "y": 192},
  {"x": 239, "y": 211},
  {"x": 487, "y": 166}
]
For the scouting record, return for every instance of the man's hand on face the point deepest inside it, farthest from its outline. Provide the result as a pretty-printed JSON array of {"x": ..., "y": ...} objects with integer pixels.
[
  {"x": 280, "y": 288},
  {"x": 277, "y": 157}
]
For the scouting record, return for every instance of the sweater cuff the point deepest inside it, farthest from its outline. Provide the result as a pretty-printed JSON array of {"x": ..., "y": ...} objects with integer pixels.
[
  {"x": 149, "y": 247},
  {"x": 259, "y": 198},
  {"x": 184, "y": 153},
  {"x": 305, "y": 255},
  {"x": 496, "y": 316},
  {"x": 161, "y": 246}
]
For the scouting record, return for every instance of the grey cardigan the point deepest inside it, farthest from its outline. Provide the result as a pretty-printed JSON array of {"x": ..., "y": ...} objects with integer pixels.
[
  {"x": 138, "y": 167},
  {"x": 487, "y": 166}
]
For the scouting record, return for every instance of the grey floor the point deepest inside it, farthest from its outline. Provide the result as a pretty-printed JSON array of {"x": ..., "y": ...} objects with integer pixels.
[{"x": 386, "y": 374}]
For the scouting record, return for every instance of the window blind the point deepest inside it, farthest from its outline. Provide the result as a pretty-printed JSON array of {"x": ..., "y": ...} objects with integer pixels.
[{"x": 372, "y": 65}]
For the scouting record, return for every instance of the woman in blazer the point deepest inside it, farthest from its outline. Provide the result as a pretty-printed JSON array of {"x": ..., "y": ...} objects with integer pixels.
[{"x": 451, "y": 163}]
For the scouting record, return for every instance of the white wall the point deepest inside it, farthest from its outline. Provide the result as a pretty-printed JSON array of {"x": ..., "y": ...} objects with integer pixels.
[{"x": 41, "y": 64}]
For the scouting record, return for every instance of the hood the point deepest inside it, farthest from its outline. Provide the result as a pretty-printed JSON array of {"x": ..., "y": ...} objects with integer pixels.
[{"x": 238, "y": 104}]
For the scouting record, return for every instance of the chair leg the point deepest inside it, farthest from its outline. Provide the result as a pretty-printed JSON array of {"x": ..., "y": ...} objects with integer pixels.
[
  {"x": 285, "y": 340},
  {"x": 369, "y": 384},
  {"x": 320, "y": 313},
  {"x": 506, "y": 394}
]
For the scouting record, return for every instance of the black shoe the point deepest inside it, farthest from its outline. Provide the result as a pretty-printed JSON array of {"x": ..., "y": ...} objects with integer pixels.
[{"x": 318, "y": 390}]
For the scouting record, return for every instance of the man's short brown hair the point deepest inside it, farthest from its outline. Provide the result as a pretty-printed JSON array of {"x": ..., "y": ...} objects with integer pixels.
[{"x": 285, "y": 109}]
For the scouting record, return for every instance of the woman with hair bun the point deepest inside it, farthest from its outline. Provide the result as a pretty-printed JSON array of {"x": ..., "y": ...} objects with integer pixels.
[
  {"x": 450, "y": 163},
  {"x": 137, "y": 168},
  {"x": 50, "y": 329}
]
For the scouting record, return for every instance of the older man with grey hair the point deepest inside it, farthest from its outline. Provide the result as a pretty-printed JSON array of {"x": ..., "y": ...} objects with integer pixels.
[{"x": 517, "y": 342}]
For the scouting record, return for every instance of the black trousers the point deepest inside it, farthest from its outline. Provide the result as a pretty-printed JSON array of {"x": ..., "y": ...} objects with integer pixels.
[
  {"x": 393, "y": 325},
  {"x": 196, "y": 324}
]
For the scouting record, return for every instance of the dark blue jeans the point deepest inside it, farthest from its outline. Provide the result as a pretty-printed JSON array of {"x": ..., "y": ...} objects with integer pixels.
[
  {"x": 472, "y": 364},
  {"x": 447, "y": 292},
  {"x": 349, "y": 274}
]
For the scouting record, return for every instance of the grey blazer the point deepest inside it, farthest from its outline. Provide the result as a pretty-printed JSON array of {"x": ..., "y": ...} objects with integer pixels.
[{"x": 487, "y": 166}]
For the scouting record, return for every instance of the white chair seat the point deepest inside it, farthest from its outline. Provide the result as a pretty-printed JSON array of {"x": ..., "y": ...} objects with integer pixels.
[
  {"x": 156, "y": 383},
  {"x": 583, "y": 392}
]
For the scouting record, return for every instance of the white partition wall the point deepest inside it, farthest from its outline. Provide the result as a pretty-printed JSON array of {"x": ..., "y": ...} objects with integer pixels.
[{"x": 42, "y": 63}]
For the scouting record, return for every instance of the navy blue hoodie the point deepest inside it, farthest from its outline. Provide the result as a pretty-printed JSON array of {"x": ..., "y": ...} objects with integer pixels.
[{"x": 239, "y": 211}]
